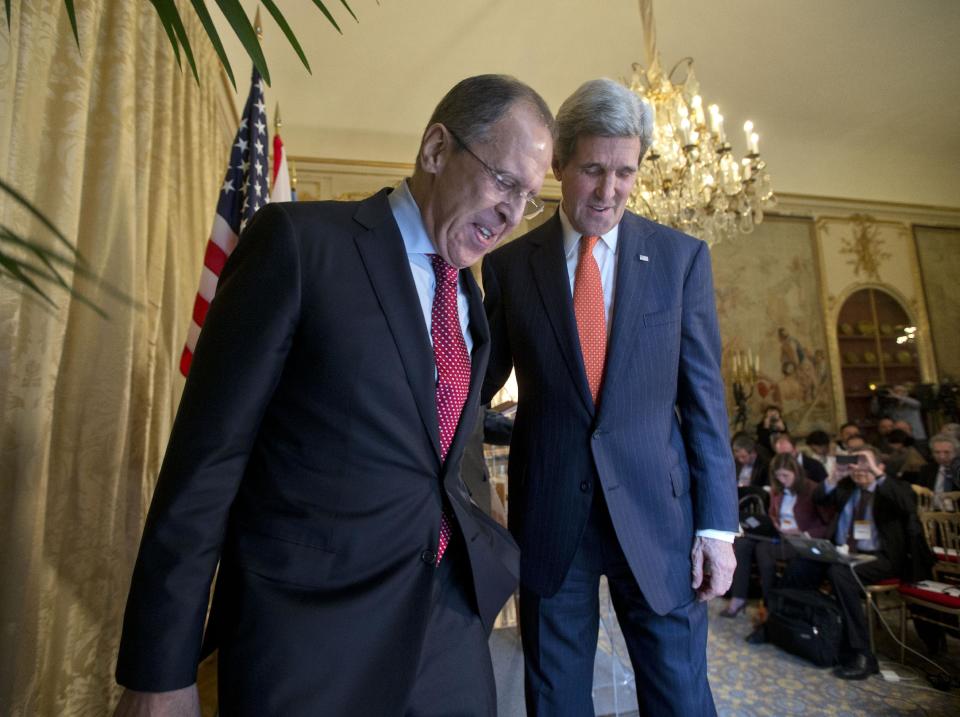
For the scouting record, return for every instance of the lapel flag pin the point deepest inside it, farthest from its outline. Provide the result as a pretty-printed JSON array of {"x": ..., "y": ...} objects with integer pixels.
[{"x": 643, "y": 257}]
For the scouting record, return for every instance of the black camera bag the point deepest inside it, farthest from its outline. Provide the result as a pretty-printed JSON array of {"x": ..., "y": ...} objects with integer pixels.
[{"x": 805, "y": 623}]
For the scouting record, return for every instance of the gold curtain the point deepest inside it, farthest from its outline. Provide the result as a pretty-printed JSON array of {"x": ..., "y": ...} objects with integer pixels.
[{"x": 124, "y": 152}]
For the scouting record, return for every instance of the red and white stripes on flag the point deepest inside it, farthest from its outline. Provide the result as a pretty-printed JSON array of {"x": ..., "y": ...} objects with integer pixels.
[
  {"x": 243, "y": 192},
  {"x": 220, "y": 246},
  {"x": 280, "y": 181}
]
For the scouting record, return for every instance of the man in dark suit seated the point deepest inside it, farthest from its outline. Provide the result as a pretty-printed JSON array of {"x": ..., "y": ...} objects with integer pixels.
[
  {"x": 749, "y": 465},
  {"x": 876, "y": 516},
  {"x": 941, "y": 476},
  {"x": 316, "y": 451}
]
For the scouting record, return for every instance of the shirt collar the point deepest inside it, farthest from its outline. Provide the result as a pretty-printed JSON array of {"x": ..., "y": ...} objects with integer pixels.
[
  {"x": 407, "y": 214},
  {"x": 571, "y": 236}
]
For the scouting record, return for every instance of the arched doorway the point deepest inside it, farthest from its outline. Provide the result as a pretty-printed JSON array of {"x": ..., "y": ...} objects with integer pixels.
[{"x": 877, "y": 342}]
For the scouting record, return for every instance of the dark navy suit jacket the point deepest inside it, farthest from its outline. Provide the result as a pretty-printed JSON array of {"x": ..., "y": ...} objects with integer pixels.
[
  {"x": 306, "y": 456},
  {"x": 658, "y": 443}
]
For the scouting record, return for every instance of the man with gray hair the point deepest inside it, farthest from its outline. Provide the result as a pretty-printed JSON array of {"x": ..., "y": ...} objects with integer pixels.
[
  {"x": 943, "y": 475},
  {"x": 619, "y": 463}
]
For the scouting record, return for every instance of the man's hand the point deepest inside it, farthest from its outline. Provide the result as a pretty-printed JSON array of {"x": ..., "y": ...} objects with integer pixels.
[
  {"x": 713, "y": 566},
  {"x": 184, "y": 702}
]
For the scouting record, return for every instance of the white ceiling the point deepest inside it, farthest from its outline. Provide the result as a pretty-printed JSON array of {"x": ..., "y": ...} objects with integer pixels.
[{"x": 852, "y": 98}]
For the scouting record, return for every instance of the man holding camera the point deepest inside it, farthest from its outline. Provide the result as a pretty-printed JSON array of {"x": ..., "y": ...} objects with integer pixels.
[
  {"x": 876, "y": 516},
  {"x": 769, "y": 428}
]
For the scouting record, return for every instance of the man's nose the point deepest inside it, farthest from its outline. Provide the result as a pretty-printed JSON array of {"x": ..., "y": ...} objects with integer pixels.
[
  {"x": 511, "y": 209},
  {"x": 606, "y": 186}
]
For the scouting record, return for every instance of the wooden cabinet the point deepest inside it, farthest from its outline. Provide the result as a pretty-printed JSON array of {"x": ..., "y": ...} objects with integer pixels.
[{"x": 877, "y": 345}]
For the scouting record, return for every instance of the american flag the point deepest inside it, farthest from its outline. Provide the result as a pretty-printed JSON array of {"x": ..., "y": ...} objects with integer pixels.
[
  {"x": 280, "y": 189},
  {"x": 243, "y": 192}
]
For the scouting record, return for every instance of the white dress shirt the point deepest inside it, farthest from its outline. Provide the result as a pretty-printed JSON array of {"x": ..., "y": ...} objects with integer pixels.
[
  {"x": 788, "y": 522},
  {"x": 605, "y": 253},
  {"x": 419, "y": 247}
]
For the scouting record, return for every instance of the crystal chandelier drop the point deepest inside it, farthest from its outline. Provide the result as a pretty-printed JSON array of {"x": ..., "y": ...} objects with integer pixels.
[{"x": 690, "y": 178}]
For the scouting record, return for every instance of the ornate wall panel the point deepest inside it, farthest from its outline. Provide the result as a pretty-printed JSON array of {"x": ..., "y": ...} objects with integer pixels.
[
  {"x": 938, "y": 251},
  {"x": 859, "y": 252},
  {"x": 768, "y": 300}
]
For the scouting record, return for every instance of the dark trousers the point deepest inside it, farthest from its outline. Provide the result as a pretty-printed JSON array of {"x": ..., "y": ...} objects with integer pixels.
[
  {"x": 455, "y": 676},
  {"x": 766, "y": 554},
  {"x": 668, "y": 652},
  {"x": 803, "y": 573}
]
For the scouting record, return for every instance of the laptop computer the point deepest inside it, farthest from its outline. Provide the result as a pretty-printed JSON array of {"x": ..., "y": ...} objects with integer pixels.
[{"x": 824, "y": 551}]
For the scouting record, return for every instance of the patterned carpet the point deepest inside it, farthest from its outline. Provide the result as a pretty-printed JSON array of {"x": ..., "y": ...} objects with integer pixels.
[{"x": 789, "y": 685}]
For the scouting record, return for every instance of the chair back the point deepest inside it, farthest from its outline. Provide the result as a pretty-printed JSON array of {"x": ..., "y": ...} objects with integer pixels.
[
  {"x": 924, "y": 498},
  {"x": 948, "y": 501},
  {"x": 751, "y": 504},
  {"x": 942, "y": 531}
]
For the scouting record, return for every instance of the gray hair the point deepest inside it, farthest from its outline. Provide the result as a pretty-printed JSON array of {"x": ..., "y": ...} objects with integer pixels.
[
  {"x": 602, "y": 108},
  {"x": 945, "y": 438},
  {"x": 474, "y": 105}
]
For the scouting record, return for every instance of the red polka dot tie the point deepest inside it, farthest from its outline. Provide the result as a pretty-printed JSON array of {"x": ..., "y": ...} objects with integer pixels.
[
  {"x": 453, "y": 366},
  {"x": 590, "y": 313}
]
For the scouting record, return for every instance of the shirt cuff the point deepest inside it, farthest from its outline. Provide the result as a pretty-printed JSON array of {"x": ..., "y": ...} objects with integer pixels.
[{"x": 724, "y": 535}]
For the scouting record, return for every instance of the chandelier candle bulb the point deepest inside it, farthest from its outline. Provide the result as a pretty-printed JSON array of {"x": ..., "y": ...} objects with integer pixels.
[
  {"x": 685, "y": 132},
  {"x": 697, "y": 103},
  {"x": 754, "y": 144}
]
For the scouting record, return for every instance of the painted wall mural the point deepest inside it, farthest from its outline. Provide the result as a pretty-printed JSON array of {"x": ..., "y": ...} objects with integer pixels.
[
  {"x": 939, "y": 257},
  {"x": 768, "y": 301}
]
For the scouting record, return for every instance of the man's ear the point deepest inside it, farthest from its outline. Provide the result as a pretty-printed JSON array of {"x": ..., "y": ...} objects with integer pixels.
[
  {"x": 556, "y": 169},
  {"x": 435, "y": 148}
]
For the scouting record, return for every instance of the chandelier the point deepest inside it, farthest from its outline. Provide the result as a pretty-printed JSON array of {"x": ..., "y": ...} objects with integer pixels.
[{"x": 690, "y": 178}]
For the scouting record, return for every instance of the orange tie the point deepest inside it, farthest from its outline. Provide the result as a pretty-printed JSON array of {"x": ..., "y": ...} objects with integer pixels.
[{"x": 591, "y": 317}]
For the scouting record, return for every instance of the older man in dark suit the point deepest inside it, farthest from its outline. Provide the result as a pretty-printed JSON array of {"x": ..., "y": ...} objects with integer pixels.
[
  {"x": 317, "y": 447},
  {"x": 876, "y": 515},
  {"x": 619, "y": 463}
]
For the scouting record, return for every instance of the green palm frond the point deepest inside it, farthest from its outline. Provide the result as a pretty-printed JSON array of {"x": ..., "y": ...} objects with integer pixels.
[{"x": 32, "y": 264}]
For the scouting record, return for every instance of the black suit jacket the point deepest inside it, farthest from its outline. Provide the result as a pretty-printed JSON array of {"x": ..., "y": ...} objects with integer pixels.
[
  {"x": 306, "y": 456},
  {"x": 927, "y": 476},
  {"x": 895, "y": 517},
  {"x": 658, "y": 443}
]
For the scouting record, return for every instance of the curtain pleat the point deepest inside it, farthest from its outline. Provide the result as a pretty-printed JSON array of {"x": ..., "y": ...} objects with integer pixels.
[{"x": 124, "y": 152}]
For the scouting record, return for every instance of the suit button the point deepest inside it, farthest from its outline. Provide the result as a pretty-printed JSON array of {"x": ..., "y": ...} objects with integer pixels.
[
  {"x": 429, "y": 557},
  {"x": 596, "y": 435},
  {"x": 585, "y": 486}
]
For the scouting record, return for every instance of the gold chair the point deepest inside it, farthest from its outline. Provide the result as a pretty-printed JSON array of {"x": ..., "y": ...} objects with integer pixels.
[
  {"x": 940, "y": 596},
  {"x": 942, "y": 531},
  {"x": 924, "y": 498},
  {"x": 873, "y": 600},
  {"x": 948, "y": 501}
]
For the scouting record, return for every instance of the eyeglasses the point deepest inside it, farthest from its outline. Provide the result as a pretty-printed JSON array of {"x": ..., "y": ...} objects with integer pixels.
[{"x": 532, "y": 204}]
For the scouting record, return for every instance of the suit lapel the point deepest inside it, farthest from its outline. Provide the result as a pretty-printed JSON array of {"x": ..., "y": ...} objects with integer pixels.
[
  {"x": 635, "y": 240},
  {"x": 384, "y": 256},
  {"x": 549, "y": 267}
]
